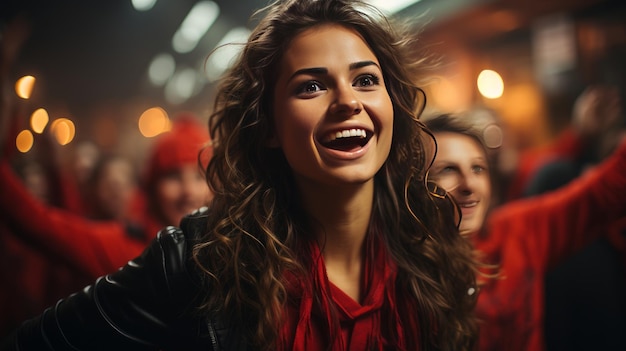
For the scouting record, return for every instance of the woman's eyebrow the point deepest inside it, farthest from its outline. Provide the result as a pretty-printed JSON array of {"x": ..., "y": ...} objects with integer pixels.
[
  {"x": 312, "y": 71},
  {"x": 361, "y": 64}
]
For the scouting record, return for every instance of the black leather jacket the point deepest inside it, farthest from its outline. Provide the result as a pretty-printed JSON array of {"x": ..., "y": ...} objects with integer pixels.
[{"x": 149, "y": 304}]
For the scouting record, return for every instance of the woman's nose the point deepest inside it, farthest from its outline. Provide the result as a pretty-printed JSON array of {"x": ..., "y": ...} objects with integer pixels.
[
  {"x": 465, "y": 185},
  {"x": 346, "y": 102}
]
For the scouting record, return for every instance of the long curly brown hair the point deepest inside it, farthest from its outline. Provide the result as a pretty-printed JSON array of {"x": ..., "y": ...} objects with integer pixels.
[{"x": 256, "y": 225}]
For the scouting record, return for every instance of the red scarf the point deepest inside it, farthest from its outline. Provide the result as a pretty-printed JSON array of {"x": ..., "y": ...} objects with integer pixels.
[{"x": 337, "y": 322}]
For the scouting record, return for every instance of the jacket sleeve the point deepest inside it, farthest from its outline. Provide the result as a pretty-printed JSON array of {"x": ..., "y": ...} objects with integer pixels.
[
  {"x": 555, "y": 225},
  {"x": 146, "y": 305}
]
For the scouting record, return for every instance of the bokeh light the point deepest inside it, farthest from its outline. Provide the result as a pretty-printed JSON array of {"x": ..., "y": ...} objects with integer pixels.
[
  {"x": 143, "y": 5},
  {"x": 39, "y": 120},
  {"x": 153, "y": 122},
  {"x": 63, "y": 130},
  {"x": 24, "y": 86},
  {"x": 227, "y": 50},
  {"x": 161, "y": 69},
  {"x": 490, "y": 84},
  {"x": 24, "y": 141}
]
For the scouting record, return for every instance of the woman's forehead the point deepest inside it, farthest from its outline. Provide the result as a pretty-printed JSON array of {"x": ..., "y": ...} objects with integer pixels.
[
  {"x": 457, "y": 146},
  {"x": 327, "y": 43}
]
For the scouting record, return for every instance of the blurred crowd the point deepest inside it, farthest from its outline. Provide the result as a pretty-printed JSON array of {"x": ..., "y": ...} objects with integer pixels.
[{"x": 62, "y": 227}]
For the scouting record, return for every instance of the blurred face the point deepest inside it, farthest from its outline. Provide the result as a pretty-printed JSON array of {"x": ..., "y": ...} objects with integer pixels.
[
  {"x": 180, "y": 192},
  {"x": 333, "y": 115},
  {"x": 115, "y": 189},
  {"x": 461, "y": 168}
]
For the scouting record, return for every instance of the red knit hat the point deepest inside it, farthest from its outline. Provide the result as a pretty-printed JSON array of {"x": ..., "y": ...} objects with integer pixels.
[{"x": 178, "y": 147}]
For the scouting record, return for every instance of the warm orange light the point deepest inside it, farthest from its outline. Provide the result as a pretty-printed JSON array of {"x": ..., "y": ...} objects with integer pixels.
[
  {"x": 24, "y": 141},
  {"x": 490, "y": 84},
  {"x": 24, "y": 86},
  {"x": 39, "y": 120},
  {"x": 153, "y": 122},
  {"x": 63, "y": 130},
  {"x": 445, "y": 94}
]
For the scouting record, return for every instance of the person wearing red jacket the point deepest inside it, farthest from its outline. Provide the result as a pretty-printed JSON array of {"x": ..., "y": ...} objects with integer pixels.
[
  {"x": 39, "y": 236},
  {"x": 522, "y": 239},
  {"x": 594, "y": 129}
]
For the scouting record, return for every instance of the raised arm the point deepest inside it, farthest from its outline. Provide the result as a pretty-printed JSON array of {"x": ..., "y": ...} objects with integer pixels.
[
  {"x": 97, "y": 247},
  {"x": 556, "y": 224}
]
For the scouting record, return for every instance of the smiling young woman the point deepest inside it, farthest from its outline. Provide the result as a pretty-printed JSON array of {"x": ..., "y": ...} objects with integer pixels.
[{"x": 322, "y": 93}]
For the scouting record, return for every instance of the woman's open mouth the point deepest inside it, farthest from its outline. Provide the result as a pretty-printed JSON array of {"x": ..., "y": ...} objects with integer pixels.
[{"x": 347, "y": 140}]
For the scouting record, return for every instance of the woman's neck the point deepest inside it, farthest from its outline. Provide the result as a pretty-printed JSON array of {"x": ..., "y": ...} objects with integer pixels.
[{"x": 340, "y": 218}]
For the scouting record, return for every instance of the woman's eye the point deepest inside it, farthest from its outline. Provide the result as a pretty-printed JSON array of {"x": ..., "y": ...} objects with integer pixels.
[
  {"x": 367, "y": 80},
  {"x": 478, "y": 169},
  {"x": 309, "y": 87},
  {"x": 447, "y": 169},
  {"x": 443, "y": 170}
]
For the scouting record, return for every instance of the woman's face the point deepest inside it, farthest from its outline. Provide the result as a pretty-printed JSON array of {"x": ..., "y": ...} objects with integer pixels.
[
  {"x": 333, "y": 115},
  {"x": 180, "y": 192},
  {"x": 461, "y": 168}
]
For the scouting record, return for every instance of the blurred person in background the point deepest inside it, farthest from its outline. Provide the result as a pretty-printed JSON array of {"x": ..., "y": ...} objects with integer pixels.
[
  {"x": 75, "y": 176},
  {"x": 44, "y": 174},
  {"x": 523, "y": 239},
  {"x": 525, "y": 163},
  {"x": 172, "y": 181},
  {"x": 111, "y": 189},
  {"x": 598, "y": 122},
  {"x": 173, "y": 187},
  {"x": 585, "y": 305},
  {"x": 93, "y": 247},
  {"x": 501, "y": 153}
]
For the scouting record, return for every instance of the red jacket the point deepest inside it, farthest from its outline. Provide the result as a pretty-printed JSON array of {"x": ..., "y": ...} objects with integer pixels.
[
  {"x": 568, "y": 144},
  {"x": 528, "y": 237},
  {"x": 31, "y": 280}
]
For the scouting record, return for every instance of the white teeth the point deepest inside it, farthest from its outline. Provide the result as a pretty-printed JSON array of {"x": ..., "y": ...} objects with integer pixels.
[{"x": 346, "y": 134}]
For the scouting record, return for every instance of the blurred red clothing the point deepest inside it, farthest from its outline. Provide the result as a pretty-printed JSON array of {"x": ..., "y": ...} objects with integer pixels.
[
  {"x": 528, "y": 237},
  {"x": 49, "y": 253},
  {"x": 53, "y": 251},
  {"x": 567, "y": 145},
  {"x": 96, "y": 247},
  {"x": 31, "y": 280}
]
